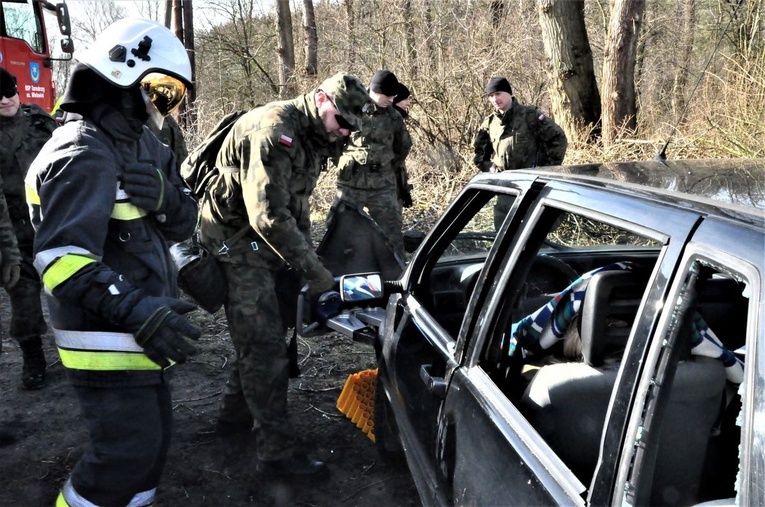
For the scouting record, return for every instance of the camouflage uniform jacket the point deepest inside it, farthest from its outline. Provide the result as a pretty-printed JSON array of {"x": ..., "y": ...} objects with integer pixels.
[
  {"x": 375, "y": 153},
  {"x": 521, "y": 137},
  {"x": 269, "y": 164},
  {"x": 9, "y": 249},
  {"x": 21, "y": 139}
]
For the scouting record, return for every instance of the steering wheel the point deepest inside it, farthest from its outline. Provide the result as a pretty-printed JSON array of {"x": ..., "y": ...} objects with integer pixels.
[{"x": 548, "y": 275}]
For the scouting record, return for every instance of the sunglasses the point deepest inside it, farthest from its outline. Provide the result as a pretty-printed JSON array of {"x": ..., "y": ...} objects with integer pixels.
[
  {"x": 9, "y": 91},
  {"x": 340, "y": 119}
]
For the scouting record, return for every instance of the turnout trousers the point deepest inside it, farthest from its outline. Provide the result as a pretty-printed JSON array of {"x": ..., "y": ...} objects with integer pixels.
[
  {"x": 129, "y": 430},
  {"x": 256, "y": 390}
]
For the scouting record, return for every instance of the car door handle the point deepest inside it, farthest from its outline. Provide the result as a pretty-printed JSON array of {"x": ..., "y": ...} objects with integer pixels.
[{"x": 435, "y": 385}]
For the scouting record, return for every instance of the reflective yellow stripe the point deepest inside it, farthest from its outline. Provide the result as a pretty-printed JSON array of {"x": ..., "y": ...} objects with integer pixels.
[
  {"x": 61, "y": 501},
  {"x": 105, "y": 361},
  {"x": 61, "y": 270},
  {"x": 127, "y": 211},
  {"x": 32, "y": 196}
]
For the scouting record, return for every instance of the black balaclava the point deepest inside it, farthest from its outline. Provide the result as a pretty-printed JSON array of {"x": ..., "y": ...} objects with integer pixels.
[{"x": 119, "y": 111}]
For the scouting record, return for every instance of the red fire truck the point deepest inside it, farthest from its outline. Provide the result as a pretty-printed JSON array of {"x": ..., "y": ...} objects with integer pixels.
[{"x": 24, "y": 48}]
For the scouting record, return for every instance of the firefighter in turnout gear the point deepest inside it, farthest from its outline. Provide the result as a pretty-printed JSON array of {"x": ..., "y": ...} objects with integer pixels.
[
  {"x": 105, "y": 199},
  {"x": 24, "y": 129}
]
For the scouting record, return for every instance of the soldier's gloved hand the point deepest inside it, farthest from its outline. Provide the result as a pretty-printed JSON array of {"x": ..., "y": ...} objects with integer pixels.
[
  {"x": 10, "y": 265},
  {"x": 319, "y": 280},
  {"x": 149, "y": 188},
  {"x": 329, "y": 305},
  {"x": 162, "y": 330},
  {"x": 11, "y": 274}
]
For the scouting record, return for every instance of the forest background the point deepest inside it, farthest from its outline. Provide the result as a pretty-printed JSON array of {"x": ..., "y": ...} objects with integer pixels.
[{"x": 623, "y": 77}]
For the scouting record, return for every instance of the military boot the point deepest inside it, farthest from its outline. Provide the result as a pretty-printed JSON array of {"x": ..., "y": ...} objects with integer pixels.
[{"x": 33, "y": 371}]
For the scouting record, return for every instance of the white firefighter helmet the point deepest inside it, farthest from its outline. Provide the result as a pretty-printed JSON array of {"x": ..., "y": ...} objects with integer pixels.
[{"x": 129, "y": 49}]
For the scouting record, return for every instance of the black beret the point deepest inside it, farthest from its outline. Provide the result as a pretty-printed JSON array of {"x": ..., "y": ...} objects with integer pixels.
[
  {"x": 7, "y": 84},
  {"x": 384, "y": 82},
  {"x": 498, "y": 84},
  {"x": 403, "y": 93}
]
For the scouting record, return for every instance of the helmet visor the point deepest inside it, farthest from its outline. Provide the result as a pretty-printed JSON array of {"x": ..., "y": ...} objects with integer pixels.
[{"x": 165, "y": 92}]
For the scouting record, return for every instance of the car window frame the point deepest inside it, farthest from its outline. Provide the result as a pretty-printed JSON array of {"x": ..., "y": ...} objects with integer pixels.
[
  {"x": 593, "y": 202},
  {"x": 704, "y": 252}
]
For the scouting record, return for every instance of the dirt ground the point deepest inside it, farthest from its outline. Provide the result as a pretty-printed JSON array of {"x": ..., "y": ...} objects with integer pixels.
[{"x": 203, "y": 470}]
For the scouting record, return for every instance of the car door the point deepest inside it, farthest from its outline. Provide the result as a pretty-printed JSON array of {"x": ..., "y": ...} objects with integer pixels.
[
  {"x": 696, "y": 431},
  {"x": 488, "y": 451},
  {"x": 421, "y": 332}
]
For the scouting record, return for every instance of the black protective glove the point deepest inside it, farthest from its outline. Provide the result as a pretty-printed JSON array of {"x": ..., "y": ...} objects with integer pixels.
[
  {"x": 329, "y": 305},
  {"x": 162, "y": 331},
  {"x": 149, "y": 188}
]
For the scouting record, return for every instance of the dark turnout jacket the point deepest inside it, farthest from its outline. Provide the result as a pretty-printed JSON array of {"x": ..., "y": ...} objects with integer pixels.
[{"x": 97, "y": 253}]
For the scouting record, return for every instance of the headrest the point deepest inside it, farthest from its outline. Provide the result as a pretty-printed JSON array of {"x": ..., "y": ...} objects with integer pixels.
[{"x": 608, "y": 312}]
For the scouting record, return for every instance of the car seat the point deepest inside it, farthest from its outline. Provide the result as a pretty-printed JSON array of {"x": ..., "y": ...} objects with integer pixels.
[{"x": 567, "y": 402}]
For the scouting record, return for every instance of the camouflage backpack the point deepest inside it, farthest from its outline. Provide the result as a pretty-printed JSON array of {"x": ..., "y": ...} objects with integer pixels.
[{"x": 199, "y": 166}]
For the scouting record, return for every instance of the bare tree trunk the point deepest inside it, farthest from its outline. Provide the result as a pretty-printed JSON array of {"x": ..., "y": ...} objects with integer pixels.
[
  {"x": 311, "y": 39},
  {"x": 178, "y": 18},
  {"x": 285, "y": 49},
  {"x": 188, "y": 41},
  {"x": 351, "y": 33},
  {"x": 411, "y": 49},
  {"x": 429, "y": 32},
  {"x": 687, "y": 22},
  {"x": 619, "y": 105},
  {"x": 168, "y": 13},
  {"x": 178, "y": 22},
  {"x": 573, "y": 89}
]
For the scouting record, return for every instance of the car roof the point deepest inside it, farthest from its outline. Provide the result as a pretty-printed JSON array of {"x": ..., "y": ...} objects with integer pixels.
[{"x": 734, "y": 188}]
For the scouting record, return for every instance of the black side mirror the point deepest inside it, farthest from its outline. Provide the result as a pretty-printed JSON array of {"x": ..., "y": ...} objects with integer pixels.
[
  {"x": 67, "y": 46},
  {"x": 64, "y": 25}
]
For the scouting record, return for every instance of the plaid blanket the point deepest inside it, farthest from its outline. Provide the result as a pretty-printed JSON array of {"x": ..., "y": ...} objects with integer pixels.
[{"x": 540, "y": 330}]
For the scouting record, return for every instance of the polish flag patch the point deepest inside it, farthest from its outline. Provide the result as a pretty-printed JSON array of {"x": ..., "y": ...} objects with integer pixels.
[
  {"x": 542, "y": 117},
  {"x": 285, "y": 140}
]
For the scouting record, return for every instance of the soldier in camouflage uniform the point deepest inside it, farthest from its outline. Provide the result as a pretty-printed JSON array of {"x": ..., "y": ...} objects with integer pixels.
[
  {"x": 371, "y": 171},
  {"x": 10, "y": 262},
  {"x": 172, "y": 136},
  {"x": 268, "y": 166},
  {"x": 24, "y": 129},
  {"x": 515, "y": 136}
]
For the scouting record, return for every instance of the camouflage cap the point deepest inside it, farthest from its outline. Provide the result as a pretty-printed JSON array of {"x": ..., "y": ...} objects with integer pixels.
[{"x": 349, "y": 96}]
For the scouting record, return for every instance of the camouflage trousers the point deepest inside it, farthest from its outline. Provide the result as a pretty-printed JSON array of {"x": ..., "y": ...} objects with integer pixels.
[
  {"x": 27, "y": 319},
  {"x": 382, "y": 205},
  {"x": 256, "y": 390}
]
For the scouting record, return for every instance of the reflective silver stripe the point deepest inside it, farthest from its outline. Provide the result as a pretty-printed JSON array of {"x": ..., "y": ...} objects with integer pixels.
[
  {"x": 142, "y": 499},
  {"x": 96, "y": 340},
  {"x": 121, "y": 194},
  {"x": 230, "y": 169},
  {"x": 46, "y": 257},
  {"x": 73, "y": 499}
]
